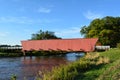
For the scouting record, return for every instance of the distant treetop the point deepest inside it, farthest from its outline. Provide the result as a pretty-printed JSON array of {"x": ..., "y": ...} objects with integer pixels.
[{"x": 43, "y": 35}]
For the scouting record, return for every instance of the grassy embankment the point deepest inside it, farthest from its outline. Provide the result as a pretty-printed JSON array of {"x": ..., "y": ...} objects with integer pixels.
[
  {"x": 94, "y": 66},
  {"x": 10, "y": 54}
]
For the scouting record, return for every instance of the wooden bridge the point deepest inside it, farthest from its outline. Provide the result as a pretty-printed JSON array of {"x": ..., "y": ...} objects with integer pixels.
[{"x": 69, "y": 45}]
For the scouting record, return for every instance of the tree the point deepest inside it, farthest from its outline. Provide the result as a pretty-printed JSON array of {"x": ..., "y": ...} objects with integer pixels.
[
  {"x": 106, "y": 29},
  {"x": 43, "y": 35}
]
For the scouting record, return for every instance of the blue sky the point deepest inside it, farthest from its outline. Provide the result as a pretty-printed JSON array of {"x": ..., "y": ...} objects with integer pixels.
[{"x": 21, "y": 18}]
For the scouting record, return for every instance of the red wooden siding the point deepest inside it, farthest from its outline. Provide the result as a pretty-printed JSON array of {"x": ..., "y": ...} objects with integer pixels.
[{"x": 80, "y": 44}]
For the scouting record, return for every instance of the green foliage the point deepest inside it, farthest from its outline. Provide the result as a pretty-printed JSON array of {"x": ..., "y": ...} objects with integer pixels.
[
  {"x": 10, "y": 54},
  {"x": 118, "y": 45},
  {"x": 106, "y": 29},
  {"x": 13, "y": 77},
  {"x": 43, "y": 35},
  {"x": 10, "y": 50}
]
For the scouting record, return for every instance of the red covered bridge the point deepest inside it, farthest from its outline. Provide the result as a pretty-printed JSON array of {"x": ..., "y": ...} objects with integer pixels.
[{"x": 69, "y": 45}]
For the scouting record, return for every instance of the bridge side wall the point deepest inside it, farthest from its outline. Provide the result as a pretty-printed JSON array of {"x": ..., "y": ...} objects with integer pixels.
[{"x": 75, "y": 45}]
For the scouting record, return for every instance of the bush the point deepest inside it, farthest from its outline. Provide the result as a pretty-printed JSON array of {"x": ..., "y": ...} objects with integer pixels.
[
  {"x": 118, "y": 45},
  {"x": 13, "y": 77},
  {"x": 10, "y": 54}
]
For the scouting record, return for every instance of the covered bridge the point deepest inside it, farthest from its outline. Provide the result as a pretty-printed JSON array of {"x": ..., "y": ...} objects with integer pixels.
[{"x": 69, "y": 45}]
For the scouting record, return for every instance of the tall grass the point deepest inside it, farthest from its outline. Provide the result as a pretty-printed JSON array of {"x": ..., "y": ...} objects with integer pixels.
[{"x": 73, "y": 70}]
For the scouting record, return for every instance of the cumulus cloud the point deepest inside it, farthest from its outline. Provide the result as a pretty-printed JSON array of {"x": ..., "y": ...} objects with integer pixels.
[
  {"x": 44, "y": 10},
  {"x": 92, "y": 15}
]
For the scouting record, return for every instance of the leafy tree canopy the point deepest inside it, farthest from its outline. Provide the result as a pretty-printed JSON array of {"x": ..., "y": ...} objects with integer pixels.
[
  {"x": 106, "y": 29},
  {"x": 43, "y": 35}
]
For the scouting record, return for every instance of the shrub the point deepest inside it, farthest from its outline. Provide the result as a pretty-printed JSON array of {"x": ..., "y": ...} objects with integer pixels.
[
  {"x": 118, "y": 45},
  {"x": 13, "y": 77},
  {"x": 102, "y": 60}
]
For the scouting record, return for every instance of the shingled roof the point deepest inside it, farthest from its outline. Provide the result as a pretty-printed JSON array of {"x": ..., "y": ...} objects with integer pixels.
[{"x": 79, "y": 44}]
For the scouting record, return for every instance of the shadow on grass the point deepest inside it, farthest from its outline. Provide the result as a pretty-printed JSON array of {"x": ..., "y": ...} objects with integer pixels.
[{"x": 91, "y": 73}]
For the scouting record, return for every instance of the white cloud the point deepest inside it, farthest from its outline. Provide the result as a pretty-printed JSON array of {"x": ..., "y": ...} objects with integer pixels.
[
  {"x": 15, "y": 20},
  {"x": 92, "y": 15},
  {"x": 73, "y": 32},
  {"x": 25, "y": 20},
  {"x": 44, "y": 10}
]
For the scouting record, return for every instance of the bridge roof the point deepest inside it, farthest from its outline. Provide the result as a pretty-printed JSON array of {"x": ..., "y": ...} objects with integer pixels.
[{"x": 79, "y": 44}]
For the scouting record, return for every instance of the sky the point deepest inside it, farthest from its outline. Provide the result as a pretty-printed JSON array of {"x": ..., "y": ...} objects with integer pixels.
[{"x": 19, "y": 19}]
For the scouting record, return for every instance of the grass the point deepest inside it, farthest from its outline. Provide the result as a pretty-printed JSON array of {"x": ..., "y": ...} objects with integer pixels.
[
  {"x": 112, "y": 70},
  {"x": 94, "y": 66},
  {"x": 112, "y": 73}
]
